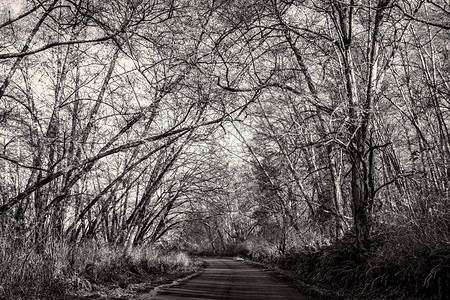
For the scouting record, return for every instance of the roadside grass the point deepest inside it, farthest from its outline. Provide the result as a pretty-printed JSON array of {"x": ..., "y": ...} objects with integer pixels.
[
  {"x": 25, "y": 274},
  {"x": 409, "y": 261},
  {"x": 91, "y": 269}
]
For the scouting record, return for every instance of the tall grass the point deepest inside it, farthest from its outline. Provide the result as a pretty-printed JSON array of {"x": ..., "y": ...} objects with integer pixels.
[
  {"x": 408, "y": 261},
  {"x": 64, "y": 268},
  {"x": 25, "y": 274}
]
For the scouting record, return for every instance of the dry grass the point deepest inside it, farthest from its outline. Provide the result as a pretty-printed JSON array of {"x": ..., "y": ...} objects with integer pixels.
[
  {"x": 64, "y": 269},
  {"x": 25, "y": 274},
  {"x": 408, "y": 261}
]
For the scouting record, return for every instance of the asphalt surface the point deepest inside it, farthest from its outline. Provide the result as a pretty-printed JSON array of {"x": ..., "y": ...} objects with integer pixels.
[{"x": 230, "y": 279}]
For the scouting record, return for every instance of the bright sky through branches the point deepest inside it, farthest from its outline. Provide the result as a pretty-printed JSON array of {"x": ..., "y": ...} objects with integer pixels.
[{"x": 13, "y": 6}]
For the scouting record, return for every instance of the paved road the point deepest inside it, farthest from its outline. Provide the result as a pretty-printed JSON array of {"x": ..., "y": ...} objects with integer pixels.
[{"x": 230, "y": 279}]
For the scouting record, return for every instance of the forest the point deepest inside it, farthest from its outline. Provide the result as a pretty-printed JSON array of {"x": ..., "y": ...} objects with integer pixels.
[{"x": 312, "y": 136}]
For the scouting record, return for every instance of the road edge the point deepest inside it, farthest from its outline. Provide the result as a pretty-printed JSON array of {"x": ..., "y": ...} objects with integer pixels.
[
  {"x": 157, "y": 289},
  {"x": 293, "y": 281}
]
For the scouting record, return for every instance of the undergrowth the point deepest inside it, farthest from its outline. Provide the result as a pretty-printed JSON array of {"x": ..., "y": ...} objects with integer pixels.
[
  {"x": 62, "y": 269},
  {"x": 409, "y": 261}
]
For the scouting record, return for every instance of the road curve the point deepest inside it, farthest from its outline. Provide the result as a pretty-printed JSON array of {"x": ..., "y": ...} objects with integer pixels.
[{"x": 230, "y": 279}]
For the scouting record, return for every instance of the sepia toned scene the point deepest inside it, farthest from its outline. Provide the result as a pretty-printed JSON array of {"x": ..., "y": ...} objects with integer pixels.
[{"x": 224, "y": 149}]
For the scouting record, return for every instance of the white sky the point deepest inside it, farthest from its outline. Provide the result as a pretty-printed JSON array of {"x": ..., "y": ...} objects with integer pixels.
[{"x": 13, "y": 6}]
